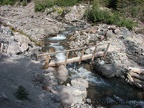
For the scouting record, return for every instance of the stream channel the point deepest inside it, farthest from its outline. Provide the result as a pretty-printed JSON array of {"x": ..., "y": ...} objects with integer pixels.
[{"x": 102, "y": 91}]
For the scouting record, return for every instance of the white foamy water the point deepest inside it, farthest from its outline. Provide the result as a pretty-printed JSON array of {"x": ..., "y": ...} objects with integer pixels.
[
  {"x": 89, "y": 76},
  {"x": 59, "y": 56},
  {"x": 58, "y": 37}
]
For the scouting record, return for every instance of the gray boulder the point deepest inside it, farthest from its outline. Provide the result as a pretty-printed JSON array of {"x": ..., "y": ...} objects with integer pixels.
[
  {"x": 107, "y": 70},
  {"x": 24, "y": 47},
  {"x": 61, "y": 74},
  {"x": 13, "y": 48},
  {"x": 21, "y": 38},
  {"x": 71, "y": 95},
  {"x": 80, "y": 82},
  {"x": 76, "y": 13}
]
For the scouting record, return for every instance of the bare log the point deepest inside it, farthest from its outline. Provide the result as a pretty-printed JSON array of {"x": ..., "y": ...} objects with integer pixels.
[
  {"x": 138, "y": 76},
  {"x": 136, "y": 70},
  {"x": 76, "y": 59},
  {"x": 130, "y": 78}
]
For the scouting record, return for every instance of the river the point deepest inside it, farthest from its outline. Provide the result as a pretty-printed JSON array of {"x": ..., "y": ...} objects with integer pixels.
[{"x": 102, "y": 91}]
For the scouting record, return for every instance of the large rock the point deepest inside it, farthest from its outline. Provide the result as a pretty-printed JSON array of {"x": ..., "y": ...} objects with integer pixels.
[
  {"x": 107, "y": 70},
  {"x": 76, "y": 13},
  {"x": 71, "y": 95},
  {"x": 13, "y": 48},
  {"x": 110, "y": 34},
  {"x": 61, "y": 74},
  {"x": 24, "y": 47},
  {"x": 21, "y": 38},
  {"x": 80, "y": 82}
]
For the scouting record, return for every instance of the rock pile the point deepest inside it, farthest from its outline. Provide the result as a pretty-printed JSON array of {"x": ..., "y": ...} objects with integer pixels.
[
  {"x": 36, "y": 25},
  {"x": 68, "y": 95}
]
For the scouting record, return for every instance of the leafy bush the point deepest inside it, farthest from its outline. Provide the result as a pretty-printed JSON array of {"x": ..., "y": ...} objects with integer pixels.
[
  {"x": 97, "y": 15},
  {"x": 22, "y": 93}
]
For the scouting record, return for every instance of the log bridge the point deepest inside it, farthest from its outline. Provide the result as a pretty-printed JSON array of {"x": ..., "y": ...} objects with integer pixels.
[{"x": 74, "y": 59}]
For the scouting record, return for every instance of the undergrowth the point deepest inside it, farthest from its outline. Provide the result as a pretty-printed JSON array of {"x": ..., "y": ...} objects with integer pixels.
[
  {"x": 43, "y": 4},
  {"x": 95, "y": 15}
]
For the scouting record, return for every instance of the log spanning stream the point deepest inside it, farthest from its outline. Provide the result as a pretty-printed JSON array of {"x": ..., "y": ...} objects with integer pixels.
[{"x": 102, "y": 91}]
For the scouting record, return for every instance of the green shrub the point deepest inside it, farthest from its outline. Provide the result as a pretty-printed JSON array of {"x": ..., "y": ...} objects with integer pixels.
[
  {"x": 22, "y": 93},
  {"x": 96, "y": 14}
]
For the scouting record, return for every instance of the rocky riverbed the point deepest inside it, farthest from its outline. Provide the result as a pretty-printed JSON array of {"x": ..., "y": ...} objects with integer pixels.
[{"x": 51, "y": 87}]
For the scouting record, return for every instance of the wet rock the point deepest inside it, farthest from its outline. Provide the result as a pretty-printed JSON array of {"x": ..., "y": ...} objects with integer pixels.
[
  {"x": 140, "y": 105},
  {"x": 107, "y": 70},
  {"x": 120, "y": 106},
  {"x": 88, "y": 101}
]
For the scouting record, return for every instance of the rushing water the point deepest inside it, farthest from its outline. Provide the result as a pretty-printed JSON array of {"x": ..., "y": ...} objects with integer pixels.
[{"x": 101, "y": 91}]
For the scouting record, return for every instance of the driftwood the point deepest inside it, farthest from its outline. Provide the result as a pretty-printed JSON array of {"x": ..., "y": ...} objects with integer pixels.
[
  {"x": 136, "y": 77},
  {"x": 136, "y": 70}
]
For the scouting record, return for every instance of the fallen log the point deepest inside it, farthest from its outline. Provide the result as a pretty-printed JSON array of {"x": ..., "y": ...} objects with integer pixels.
[
  {"x": 136, "y": 70},
  {"x": 135, "y": 75},
  {"x": 76, "y": 59}
]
